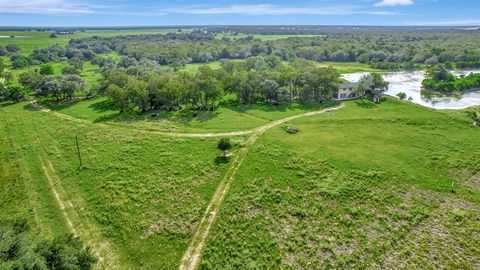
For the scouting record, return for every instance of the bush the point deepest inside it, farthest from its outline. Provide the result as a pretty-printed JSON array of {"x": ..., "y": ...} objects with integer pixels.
[
  {"x": 402, "y": 95},
  {"x": 12, "y": 48},
  {"x": 3, "y": 51},
  {"x": 46, "y": 70},
  {"x": 21, "y": 62},
  {"x": 70, "y": 70},
  {"x": 13, "y": 93},
  {"x": 224, "y": 144}
]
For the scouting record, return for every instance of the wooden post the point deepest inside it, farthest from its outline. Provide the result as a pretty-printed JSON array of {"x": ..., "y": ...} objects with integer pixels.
[{"x": 78, "y": 151}]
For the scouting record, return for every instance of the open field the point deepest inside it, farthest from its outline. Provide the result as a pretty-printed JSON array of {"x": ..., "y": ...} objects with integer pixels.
[
  {"x": 350, "y": 185},
  {"x": 357, "y": 188},
  {"x": 129, "y": 189},
  {"x": 362, "y": 185},
  {"x": 350, "y": 67},
  {"x": 225, "y": 118},
  {"x": 31, "y": 40}
]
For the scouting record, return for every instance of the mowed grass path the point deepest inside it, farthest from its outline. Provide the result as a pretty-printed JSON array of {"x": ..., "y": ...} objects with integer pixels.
[
  {"x": 369, "y": 186},
  {"x": 351, "y": 185},
  {"x": 138, "y": 197},
  {"x": 226, "y": 118}
]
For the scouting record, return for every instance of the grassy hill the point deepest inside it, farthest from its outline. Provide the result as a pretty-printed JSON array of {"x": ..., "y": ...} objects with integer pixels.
[{"x": 368, "y": 186}]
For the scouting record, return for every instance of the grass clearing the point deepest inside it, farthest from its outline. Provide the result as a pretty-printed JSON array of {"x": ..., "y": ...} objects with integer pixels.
[
  {"x": 350, "y": 67},
  {"x": 130, "y": 187},
  {"x": 347, "y": 188},
  {"x": 357, "y": 188},
  {"x": 27, "y": 41},
  {"x": 226, "y": 118}
]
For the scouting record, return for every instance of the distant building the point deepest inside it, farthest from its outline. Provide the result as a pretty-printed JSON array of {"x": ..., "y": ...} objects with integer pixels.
[{"x": 345, "y": 92}]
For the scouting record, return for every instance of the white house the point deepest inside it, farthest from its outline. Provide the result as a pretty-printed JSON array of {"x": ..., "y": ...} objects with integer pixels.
[{"x": 345, "y": 92}]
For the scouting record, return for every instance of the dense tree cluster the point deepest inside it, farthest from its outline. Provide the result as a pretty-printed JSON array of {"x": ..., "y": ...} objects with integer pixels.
[
  {"x": 19, "y": 249},
  {"x": 440, "y": 79},
  {"x": 59, "y": 87},
  {"x": 388, "y": 50},
  {"x": 253, "y": 80}
]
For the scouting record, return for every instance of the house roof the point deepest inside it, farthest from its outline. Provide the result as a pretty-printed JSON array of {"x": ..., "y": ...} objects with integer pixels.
[{"x": 347, "y": 85}]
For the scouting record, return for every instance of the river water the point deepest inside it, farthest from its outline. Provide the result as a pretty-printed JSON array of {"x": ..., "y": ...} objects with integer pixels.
[
  {"x": 410, "y": 82},
  {"x": 15, "y": 37}
]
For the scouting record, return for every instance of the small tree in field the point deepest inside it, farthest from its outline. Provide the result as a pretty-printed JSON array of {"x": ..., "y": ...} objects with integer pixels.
[
  {"x": 47, "y": 70},
  {"x": 224, "y": 144},
  {"x": 402, "y": 96}
]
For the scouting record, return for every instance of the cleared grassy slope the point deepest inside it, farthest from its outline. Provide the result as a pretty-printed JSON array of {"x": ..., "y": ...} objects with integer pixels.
[
  {"x": 137, "y": 198},
  {"x": 224, "y": 119},
  {"x": 369, "y": 186}
]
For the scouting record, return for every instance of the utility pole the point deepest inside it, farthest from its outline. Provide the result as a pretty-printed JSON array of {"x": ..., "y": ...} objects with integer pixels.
[{"x": 78, "y": 151}]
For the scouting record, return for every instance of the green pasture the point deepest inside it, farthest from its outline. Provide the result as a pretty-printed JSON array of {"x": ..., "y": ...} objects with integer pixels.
[
  {"x": 368, "y": 186},
  {"x": 143, "y": 193},
  {"x": 226, "y": 118}
]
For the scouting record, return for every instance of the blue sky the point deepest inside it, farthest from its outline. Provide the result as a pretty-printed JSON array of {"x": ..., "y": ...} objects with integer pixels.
[{"x": 188, "y": 12}]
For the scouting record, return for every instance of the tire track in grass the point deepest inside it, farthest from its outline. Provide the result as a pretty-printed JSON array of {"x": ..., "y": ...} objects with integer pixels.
[
  {"x": 192, "y": 256},
  {"x": 186, "y": 134},
  {"x": 24, "y": 174},
  {"x": 86, "y": 231}
]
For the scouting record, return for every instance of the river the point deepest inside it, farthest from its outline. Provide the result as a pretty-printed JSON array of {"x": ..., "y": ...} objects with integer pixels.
[{"x": 410, "y": 82}]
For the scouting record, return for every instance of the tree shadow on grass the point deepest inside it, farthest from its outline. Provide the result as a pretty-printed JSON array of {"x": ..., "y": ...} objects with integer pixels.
[
  {"x": 59, "y": 105},
  {"x": 183, "y": 116},
  {"x": 366, "y": 104},
  {"x": 30, "y": 107},
  {"x": 5, "y": 104},
  {"x": 102, "y": 106},
  {"x": 221, "y": 160},
  {"x": 281, "y": 107}
]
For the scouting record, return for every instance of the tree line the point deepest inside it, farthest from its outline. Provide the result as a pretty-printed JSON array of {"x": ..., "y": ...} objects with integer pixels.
[
  {"x": 390, "y": 50},
  {"x": 440, "y": 79},
  {"x": 249, "y": 81},
  {"x": 60, "y": 87}
]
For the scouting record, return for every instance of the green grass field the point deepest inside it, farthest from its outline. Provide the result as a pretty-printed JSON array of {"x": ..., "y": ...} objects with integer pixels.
[
  {"x": 226, "y": 118},
  {"x": 367, "y": 186},
  {"x": 138, "y": 194},
  {"x": 351, "y": 67},
  {"x": 30, "y": 40},
  {"x": 383, "y": 186}
]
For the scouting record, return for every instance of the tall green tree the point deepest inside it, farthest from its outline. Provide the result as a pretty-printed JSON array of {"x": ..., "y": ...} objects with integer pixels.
[
  {"x": 119, "y": 96},
  {"x": 372, "y": 85}
]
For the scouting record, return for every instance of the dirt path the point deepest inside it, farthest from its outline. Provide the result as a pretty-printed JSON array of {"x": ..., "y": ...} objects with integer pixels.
[
  {"x": 186, "y": 134},
  {"x": 85, "y": 230},
  {"x": 192, "y": 256},
  {"x": 73, "y": 215}
]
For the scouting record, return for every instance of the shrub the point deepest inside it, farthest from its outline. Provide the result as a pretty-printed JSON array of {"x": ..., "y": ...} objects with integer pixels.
[
  {"x": 224, "y": 144},
  {"x": 46, "y": 70}
]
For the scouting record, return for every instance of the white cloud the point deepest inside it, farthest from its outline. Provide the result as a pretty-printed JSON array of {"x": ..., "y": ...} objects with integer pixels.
[
  {"x": 46, "y": 6},
  {"x": 394, "y": 3},
  {"x": 268, "y": 9}
]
